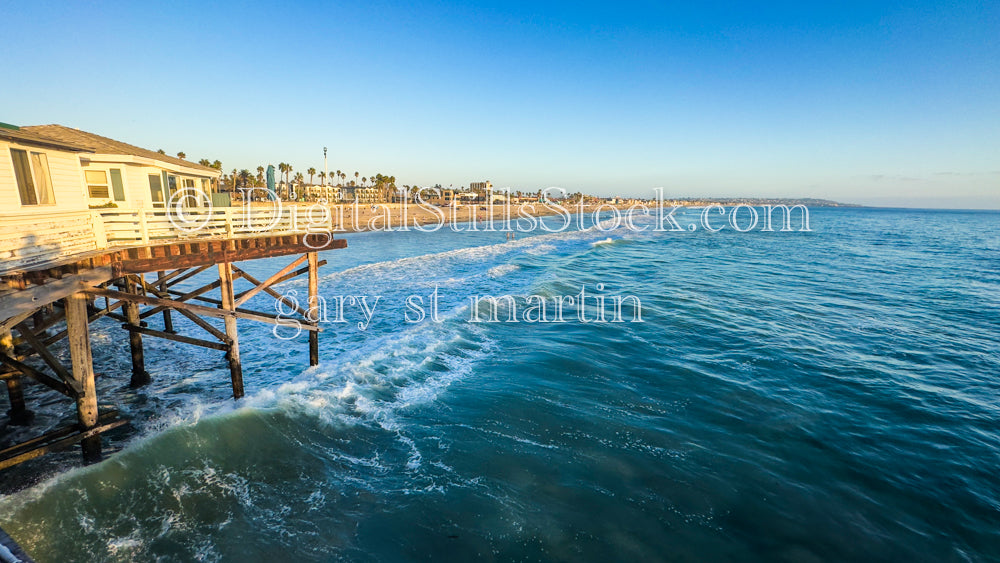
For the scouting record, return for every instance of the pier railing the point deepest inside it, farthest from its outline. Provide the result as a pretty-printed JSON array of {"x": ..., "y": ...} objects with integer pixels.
[{"x": 30, "y": 240}]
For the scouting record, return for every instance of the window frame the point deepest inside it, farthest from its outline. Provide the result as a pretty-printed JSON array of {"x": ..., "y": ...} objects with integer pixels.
[
  {"x": 33, "y": 179},
  {"x": 106, "y": 184},
  {"x": 121, "y": 185},
  {"x": 159, "y": 189}
]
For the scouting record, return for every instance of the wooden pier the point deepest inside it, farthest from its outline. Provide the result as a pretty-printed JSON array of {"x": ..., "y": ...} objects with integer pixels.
[{"x": 135, "y": 285}]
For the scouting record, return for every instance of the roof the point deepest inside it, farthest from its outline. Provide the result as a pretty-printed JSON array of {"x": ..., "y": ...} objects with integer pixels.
[
  {"x": 104, "y": 145},
  {"x": 19, "y": 135}
]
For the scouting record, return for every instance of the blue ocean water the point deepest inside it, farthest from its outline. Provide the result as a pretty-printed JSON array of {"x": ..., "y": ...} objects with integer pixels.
[{"x": 830, "y": 395}]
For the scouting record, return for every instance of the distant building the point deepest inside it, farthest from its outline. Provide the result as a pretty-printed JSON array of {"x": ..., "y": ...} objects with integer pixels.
[
  {"x": 363, "y": 194},
  {"x": 481, "y": 186},
  {"x": 446, "y": 197}
]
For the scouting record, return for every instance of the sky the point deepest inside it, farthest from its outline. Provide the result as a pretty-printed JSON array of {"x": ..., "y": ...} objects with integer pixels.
[{"x": 876, "y": 103}]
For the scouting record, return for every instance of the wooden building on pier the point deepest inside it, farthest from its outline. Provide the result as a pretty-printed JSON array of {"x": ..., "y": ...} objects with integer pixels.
[{"x": 64, "y": 265}]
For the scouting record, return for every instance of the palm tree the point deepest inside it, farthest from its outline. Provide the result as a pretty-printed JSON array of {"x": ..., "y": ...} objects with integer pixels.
[
  {"x": 204, "y": 162},
  {"x": 181, "y": 155},
  {"x": 217, "y": 165},
  {"x": 282, "y": 169},
  {"x": 161, "y": 151},
  {"x": 322, "y": 178},
  {"x": 260, "y": 175},
  {"x": 356, "y": 177},
  {"x": 311, "y": 172},
  {"x": 338, "y": 174}
]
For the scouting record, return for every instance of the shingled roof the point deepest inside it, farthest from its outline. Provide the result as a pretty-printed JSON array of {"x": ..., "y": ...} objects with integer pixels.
[
  {"x": 19, "y": 135},
  {"x": 104, "y": 145}
]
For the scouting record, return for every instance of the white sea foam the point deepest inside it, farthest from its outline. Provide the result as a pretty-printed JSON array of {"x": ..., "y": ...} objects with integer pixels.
[{"x": 502, "y": 270}]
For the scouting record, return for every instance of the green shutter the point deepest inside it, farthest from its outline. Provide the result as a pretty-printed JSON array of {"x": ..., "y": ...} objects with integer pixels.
[{"x": 116, "y": 184}]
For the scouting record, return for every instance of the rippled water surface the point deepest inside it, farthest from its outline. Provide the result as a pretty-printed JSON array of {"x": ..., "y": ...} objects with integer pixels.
[{"x": 802, "y": 396}]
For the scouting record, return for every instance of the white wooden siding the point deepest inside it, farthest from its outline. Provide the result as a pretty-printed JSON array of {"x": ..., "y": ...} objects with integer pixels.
[{"x": 66, "y": 175}]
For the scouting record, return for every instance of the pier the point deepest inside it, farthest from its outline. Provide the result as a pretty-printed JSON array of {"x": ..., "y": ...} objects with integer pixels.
[{"x": 135, "y": 285}]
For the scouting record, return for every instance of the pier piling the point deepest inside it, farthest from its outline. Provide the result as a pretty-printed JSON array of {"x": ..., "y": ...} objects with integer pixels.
[
  {"x": 18, "y": 413},
  {"x": 168, "y": 323},
  {"x": 314, "y": 312},
  {"x": 83, "y": 372},
  {"x": 228, "y": 304},
  {"x": 80, "y": 292},
  {"x": 140, "y": 376}
]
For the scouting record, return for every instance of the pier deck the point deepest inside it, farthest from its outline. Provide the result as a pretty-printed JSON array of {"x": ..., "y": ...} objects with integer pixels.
[{"x": 69, "y": 292}]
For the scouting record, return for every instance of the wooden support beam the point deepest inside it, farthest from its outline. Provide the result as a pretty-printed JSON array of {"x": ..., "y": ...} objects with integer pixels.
[
  {"x": 190, "y": 274},
  {"x": 168, "y": 323},
  {"x": 43, "y": 378},
  {"x": 271, "y": 319},
  {"x": 52, "y": 319},
  {"x": 140, "y": 376},
  {"x": 201, "y": 309},
  {"x": 314, "y": 312},
  {"x": 218, "y": 252},
  {"x": 92, "y": 435},
  {"x": 184, "y": 297},
  {"x": 229, "y": 304},
  {"x": 176, "y": 337},
  {"x": 106, "y": 312},
  {"x": 27, "y": 300},
  {"x": 269, "y": 281},
  {"x": 158, "y": 302},
  {"x": 9, "y": 324},
  {"x": 204, "y": 325},
  {"x": 31, "y": 443},
  {"x": 83, "y": 372},
  {"x": 44, "y": 353},
  {"x": 284, "y": 278}
]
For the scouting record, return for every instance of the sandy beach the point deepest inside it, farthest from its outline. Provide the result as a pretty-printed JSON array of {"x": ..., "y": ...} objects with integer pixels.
[{"x": 384, "y": 216}]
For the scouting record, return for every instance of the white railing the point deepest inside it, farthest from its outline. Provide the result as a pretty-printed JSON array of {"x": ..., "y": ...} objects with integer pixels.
[
  {"x": 41, "y": 236},
  {"x": 33, "y": 239}
]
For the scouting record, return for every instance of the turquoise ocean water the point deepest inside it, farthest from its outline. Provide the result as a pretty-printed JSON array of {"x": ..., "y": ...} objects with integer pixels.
[{"x": 789, "y": 396}]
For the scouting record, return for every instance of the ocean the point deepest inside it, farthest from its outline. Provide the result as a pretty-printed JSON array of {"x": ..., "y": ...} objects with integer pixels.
[{"x": 829, "y": 395}]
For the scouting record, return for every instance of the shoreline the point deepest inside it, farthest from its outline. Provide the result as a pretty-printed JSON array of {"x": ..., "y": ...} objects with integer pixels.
[{"x": 390, "y": 216}]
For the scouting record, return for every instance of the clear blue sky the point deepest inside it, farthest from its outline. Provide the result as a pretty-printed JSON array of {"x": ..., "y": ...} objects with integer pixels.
[{"x": 879, "y": 103}]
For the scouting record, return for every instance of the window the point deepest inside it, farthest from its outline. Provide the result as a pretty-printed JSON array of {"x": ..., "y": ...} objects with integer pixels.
[
  {"x": 97, "y": 183},
  {"x": 117, "y": 186},
  {"x": 190, "y": 198},
  {"x": 34, "y": 183},
  {"x": 156, "y": 190}
]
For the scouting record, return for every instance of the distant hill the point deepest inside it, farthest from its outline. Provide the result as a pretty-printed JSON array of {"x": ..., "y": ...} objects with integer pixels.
[{"x": 757, "y": 201}]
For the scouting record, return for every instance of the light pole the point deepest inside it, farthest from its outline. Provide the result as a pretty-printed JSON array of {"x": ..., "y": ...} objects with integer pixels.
[{"x": 326, "y": 171}]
